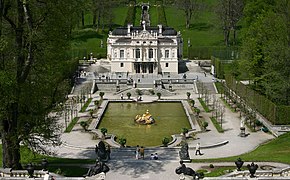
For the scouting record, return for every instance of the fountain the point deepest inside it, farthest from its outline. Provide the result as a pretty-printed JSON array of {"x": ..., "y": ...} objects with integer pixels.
[{"x": 145, "y": 118}]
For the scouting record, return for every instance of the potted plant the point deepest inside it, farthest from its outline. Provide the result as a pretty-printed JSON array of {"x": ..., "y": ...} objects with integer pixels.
[
  {"x": 129, "y": 95},
  {"x": 159, "y": 95},
  {"x": 197, "y": 111},
  {"x": 165, "y": 141},
  {"x": 104, "y": 131},
  {"x": 122, "y": 141},
  {"x": 92, "y": 113},
  {"x": 184, "y": 131},
  {"x": 188, "y": 95},
  {"x": 204, "y": 125},
  {"x": 101, "y": 94},
  {"x": 84, "y": 125},
  {"x": 97, "y": 104},
  {"x": 192, "y": 102}
]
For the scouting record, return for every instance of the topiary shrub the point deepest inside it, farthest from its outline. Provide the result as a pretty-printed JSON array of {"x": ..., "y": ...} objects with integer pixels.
[
  {"x": 204, "y": 125},
  {"x": 188, "y": 95},
  {"x": 159, "y": 95},
  {"x": 122, "y": 141},
  {"x": 165, "y": 141},
  {"x": 84, "y": 125},
  {"x": 104, "y": 131},
  {"x": 129, "y": 95},
  {"x": 184, "y": 131},
  {"x": 101, "y": 94}
]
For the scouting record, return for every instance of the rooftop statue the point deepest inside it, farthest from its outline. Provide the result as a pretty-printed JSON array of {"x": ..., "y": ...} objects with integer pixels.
[{"x": 145, "y": 118}]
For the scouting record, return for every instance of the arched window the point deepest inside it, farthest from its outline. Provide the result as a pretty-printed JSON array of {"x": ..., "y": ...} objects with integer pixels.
[
  {"x": 137, "y": 53},
  {"x": 150, "y": 53}
]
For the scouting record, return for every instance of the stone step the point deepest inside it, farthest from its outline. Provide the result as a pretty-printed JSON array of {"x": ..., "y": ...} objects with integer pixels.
[{"x": 129, "y": 153}]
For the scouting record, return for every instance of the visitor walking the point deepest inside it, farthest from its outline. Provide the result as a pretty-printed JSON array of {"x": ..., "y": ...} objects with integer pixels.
[
  {"x": 122, "y": 97},
  {"x": 142, "y": 152},
  {"x": 137, "y": 152},
  {"x": 197, "y": 149}
]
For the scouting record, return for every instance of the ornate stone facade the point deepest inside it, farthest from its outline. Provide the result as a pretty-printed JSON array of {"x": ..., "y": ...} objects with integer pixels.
[{"x": 144, "y": 49}]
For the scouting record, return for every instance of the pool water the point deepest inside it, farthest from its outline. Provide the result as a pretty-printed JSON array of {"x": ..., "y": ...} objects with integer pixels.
[{"x": 169, "y": 117}]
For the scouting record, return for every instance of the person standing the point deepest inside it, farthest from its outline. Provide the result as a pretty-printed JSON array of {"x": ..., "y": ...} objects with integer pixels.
[
  {"x": 142, "y": 152},
  {"x": 197, "y": 149},
  {"x": 137, "y": 152}
]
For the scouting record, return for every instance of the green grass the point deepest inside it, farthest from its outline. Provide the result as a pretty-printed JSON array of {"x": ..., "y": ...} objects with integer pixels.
[
  {"x": 204, "y": 105},
  {"x": 153, "y": 16},
  {"x": 203, "y": 30},
  {"x": 276, "y": 150},
  {"x": 227, "y": 105},
  {"x": 69, "y": 171},
  {"x": 216, "y": 125},
  {"x": 120, "y": 15},
  {"x": 86, "y": 105},
  {"x": 71, "y": 124},
  {"x": 219, "y": 87},
  {"x": 138, "y": 16},
  {"x": 219, "y": 171}
]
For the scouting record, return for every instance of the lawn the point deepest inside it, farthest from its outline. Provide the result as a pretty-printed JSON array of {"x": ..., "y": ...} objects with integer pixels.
[
  {"x": 153, "y": 16},
  {"x": 276, "y": 150}
]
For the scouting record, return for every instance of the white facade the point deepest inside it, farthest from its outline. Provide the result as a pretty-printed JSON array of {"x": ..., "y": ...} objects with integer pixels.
[{"x": 144, "y": 49}]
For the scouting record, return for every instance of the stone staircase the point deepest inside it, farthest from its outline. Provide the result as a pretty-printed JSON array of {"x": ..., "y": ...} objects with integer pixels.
[{"x": 128, "y": 153}]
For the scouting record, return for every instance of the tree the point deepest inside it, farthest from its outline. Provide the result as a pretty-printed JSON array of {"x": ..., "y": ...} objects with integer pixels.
[
  {"x": 265, "y": 49},
  {"x": 129, "y": 95},
  {"x": 230, "y": 12},
  {"x": 190, "y": 9},
  {"x": 32, "y": 73},
  {"x": 159, "y": 95},
  {"x": 84, "y": 125},
  {"x": 101, "y": 94},
  {"x": 188, "y": 95},
  {"x": 104, "y": 131}
]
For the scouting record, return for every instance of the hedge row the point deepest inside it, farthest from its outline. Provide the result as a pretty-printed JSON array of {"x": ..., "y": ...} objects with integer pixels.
[
  {"x": 278, "y": 115},
  {"x": 205, "y": 52},
  {"x": 161, "y": 15},
  {"x": 130, "y": 19}
]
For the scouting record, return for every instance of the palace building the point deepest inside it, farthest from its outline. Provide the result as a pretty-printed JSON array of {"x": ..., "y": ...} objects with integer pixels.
[{"x": 144, "y": 49}]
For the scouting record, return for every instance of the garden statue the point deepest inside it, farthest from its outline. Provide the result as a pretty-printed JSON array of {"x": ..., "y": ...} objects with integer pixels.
[
  {"x": 185, "y": 171},
  {"x": 145, "y": 118},
  {"x": 98, "y": 168},
  {"x": 102, "y": 152},
  {"x": 183, "y": 153}
]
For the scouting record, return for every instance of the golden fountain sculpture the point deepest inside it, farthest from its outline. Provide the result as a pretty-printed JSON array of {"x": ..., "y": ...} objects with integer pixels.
[{"x": 145, "y": 118}]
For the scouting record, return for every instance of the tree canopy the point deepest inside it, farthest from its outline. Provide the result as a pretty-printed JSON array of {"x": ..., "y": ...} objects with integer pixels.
[
  {"x": 34, "y": 63},
  {"x": 265, "y": 48}
]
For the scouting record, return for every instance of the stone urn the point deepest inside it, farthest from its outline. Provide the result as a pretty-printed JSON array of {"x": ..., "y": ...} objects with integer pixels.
[
  {"x": 252, "y": 169},
  {"x": 239, "y": 163}
]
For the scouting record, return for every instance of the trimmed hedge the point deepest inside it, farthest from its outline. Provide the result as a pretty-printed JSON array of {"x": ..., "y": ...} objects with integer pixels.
[{"x": 278, "y": 115}]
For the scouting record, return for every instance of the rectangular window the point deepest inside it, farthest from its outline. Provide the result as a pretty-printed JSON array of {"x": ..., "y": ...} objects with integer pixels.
[
  {"x": 166, "y": 53},
  {"x": 121, "y": 64},
  {"x": 122, "y": 54},
  {"x": 166, "y": 64},
  {"x": 150, "y": 53},
  {"x": 137, "y": 53}
]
